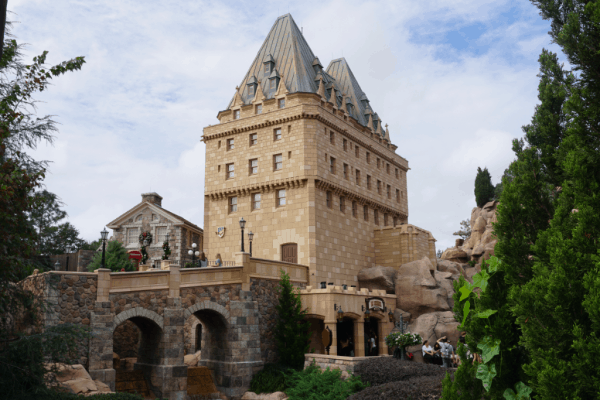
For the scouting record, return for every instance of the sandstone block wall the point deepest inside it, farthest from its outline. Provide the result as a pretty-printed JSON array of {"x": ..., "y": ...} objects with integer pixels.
[{"x": 398, "y": 245}]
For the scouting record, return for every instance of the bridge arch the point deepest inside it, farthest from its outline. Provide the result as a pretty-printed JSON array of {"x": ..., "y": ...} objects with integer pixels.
[{"x": 138, "y": 312}]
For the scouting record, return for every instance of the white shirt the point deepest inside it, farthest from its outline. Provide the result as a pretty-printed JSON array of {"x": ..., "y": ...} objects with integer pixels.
[
  {"x": 427, "y": 348},
  {"x": 373, "y": 342}
]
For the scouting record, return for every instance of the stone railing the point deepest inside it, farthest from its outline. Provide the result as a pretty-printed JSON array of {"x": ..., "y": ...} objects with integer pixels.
[
  {"x": 211, "y": 276},
  {"x": 270, "y": 269}
]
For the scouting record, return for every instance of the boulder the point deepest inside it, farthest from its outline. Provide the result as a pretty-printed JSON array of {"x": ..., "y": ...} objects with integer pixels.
[
  {"x": 417, "y": 290},
  {"x": 455, "y": 254},
  {"x": 102, "y": 387},
  {"x": 450, "y": 266},
  {"x": 444, "y": 280},
  {"x": 435, "y": 325},
  {"x": 191, "y": 360},
  {"x": 377, "y": 278},
  {"x": 405, "y": 315},
  {"x": 75, "y": 379}
]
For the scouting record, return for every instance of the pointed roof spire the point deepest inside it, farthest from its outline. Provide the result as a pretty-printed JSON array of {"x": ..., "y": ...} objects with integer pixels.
[
  {"x": 237, "y": 99},
  {"x": 282, "y": 89},
  {"x": 370, "y": 121},
  {"x": 259, "y": 96},
  {"x": 343, "y": 107},
  {"x": 379, "y": 131},
  {"x": 387, "y": 134},
  {"x": 321, "y": 90},
  {"x": 332, "y": 97}
]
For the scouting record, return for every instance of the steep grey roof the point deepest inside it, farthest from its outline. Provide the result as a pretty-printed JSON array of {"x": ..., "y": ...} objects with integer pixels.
[{"x": 301, "y": 70}]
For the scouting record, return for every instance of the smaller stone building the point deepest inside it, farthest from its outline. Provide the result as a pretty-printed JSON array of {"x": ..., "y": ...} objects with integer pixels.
[{"x": 150, "y": 216}]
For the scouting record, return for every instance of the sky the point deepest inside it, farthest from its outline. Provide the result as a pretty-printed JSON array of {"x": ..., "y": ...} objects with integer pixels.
[{"x": 454, "y": 80}]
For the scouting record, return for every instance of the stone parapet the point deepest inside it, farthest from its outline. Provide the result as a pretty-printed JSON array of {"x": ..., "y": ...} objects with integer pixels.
[{"x": 334, "y": 362}]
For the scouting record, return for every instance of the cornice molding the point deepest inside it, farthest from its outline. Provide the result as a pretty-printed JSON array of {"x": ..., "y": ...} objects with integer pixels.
[{"x": 263, "y": 187}]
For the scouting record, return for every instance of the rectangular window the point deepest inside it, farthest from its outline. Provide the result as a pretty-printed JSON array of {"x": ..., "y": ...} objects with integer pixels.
[
  {"x": 331, "y": 137},
  {"x": 253, "y": 166},
  {"x": 354, "y": 209},
  {"x": 230, "y": 170},
  {"x": 369, "y": 182},
  {"x": 253, "y": 139},
  {"x": 281, "y": 197},
  {"x": 332, "y": 165},
  {"x": 328, "y": 199},
  {"x": 258, "y": 109},
  {"x": 272, "y": 84},
  {"x": 277, "y": 162},
  {"x": 368, "y": 158},
  {"x": 389, "y": 191},
  {"x": 236, "y": 114},
  {"x": 378, "y": 186},
  {"x": 376, "y": 217},
  {"x": 345, "y": 144},
  {"x": 397, "y": 174},
  {"x": 256, "y": 201},
  {"x": 397, "y": 196},
  {"x": 345, "y": 171},
  {"x": 230, "y": 144},
  {"x": 342, "y": 204},
  {"x": 385, "y": 219},
  {"x": 277, "y": 134},
  {"x": 267, "y": 68},
  {"x": 357, "y": 151},
  {"x": 378, "y": 163},
  {"x": 365, "y": 213},
  {"x": 357, "y": 177},
  {"x": 161, "y": 234},
  {"x": 251, "y": 90},
  {"x": 132, "y": 235},
  {"x": 395, "y": 221},
  {"x": 233, "y": 204},
  {"x": 387, "y": 168},
  {"x": 281, "y": 103}
]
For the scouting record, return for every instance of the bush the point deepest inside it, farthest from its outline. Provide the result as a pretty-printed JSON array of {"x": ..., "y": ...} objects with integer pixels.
[
  {"x": 416, "y": 388},
  {"x": 273, "y": 378},
  {"x": 484, "y": 190},
  {"x": 314, "y": 384},
  {"x": 383, "y": 370},
  {"x": 116, "y": 258}
]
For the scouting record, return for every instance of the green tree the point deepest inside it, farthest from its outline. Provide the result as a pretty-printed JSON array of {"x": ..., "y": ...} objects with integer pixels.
[
  {"x": 115, "y": 258},
  {"x": 484, "y": 190},
  {"x": 465, "y": 230},
  {"x": 291, "y": 332}
]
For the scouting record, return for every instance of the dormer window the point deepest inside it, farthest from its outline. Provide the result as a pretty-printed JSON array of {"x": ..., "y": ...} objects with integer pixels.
[
  {"x": 236, "y": 114},
  {"x": 269, "y": 63},
  {"x": 267, "y": 68},
  {"x": 252, "y": 84},
  {"x": 273, "y": 84},
  {"x": 274, "y": 79},
  {"x": 250, "y": 90}
]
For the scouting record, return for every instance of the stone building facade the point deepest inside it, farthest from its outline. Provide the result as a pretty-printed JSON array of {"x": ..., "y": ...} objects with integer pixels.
[
  {"x": 150, "y": 216},
  {"x": 303, "y": 158}
]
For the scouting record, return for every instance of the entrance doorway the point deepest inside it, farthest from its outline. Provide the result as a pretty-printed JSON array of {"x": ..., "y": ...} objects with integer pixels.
[
  {"x": 372, "y": 337},
  {"x": 289, "y": 253},
  {"x": 345, "y": 338}
]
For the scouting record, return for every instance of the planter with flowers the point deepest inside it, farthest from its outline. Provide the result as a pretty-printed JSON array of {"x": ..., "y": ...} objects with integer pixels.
[{"x": 401, "y": 341}]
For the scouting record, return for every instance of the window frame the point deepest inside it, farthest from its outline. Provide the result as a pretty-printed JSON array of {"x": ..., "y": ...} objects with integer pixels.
[
  {"x": 389, "y": 192},
  {"x": 343, "y": 204},
  {"x": 375, "y": 216},
  {"x": 332, "y": 165},
  {"x": 378, "y": 186},
  {"x": 332, "y": 138},
  {"x": 368, "y": 182},
  {"x": 254, "y": 201},
  {"x": 329, "y": 199},
  {"x": 368, "y": 157},
  {"x": 397, "y": 174},
  {"x": 253, "y": 141},
  {"x": 231, "y": 205},
  {"x": 230, "y": 172},
  {"x": 280, "y": 103},
  {"x": 236, "y": 114},
  {"x": 345, "y": 144},
  {"x": 357, "y": 151},
  {"x": 354, "y": 209},
  {"x": 279, "y": 198},
  {"x": 252, "y": 167},
  {"x": 346, "y": 168},
  {"x": 230, "y": 144},
  {"x": 277, "y": 136},
  {"x": 366, "y": 213},
  {"x": 276, "y": 163},
  {"x": 357, "y": 173},
  {"x": 258, "y": 109}
]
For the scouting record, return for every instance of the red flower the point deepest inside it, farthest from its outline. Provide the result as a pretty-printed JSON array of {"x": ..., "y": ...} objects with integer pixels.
[
  {"x": 144, "y": 234},
  {"x": 122, "y": 269}
]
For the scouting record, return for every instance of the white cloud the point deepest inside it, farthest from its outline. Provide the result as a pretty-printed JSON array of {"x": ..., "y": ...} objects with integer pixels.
[{"x": 156, "y": 74}]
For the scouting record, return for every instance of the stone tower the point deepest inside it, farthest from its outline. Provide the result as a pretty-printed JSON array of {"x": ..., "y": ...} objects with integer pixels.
[{"x": 300, "y": 154}]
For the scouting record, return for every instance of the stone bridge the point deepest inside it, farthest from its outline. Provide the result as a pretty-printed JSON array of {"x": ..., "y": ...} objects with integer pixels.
[{"x": 235, "y": 306}]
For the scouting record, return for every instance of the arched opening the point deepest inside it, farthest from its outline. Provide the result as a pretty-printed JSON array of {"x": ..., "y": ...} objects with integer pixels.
[
  {"x": 198, "y": 337},
  {"x": 317, "y": 326},
  {"x": 345, "y": 337},
  {"x": 372, "y": 337},
  {"x": 213, "y": 338}
]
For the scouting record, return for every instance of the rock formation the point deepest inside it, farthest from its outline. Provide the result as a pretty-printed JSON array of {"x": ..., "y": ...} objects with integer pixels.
[
  {"x": 433, "y": 326},
  {"x": 480, "y": 245},
  {"x": 377, "y": 278},
  {"x": 75, "y": 379}
]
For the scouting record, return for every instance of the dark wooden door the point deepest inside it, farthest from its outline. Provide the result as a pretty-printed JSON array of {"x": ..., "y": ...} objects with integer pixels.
[{"x": 289, "y": 253}]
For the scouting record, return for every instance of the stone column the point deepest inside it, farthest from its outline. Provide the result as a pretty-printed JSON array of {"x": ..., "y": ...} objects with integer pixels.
[
  {"x": 359, "y": 338},
  {"x": 333, "y": 326},
  {"x": 243, "y": 260},
  {"x": 101, "y": 343}
]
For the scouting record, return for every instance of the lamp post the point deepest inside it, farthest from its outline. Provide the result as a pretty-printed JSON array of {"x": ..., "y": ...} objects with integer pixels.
[
  {"x": 250, "y": 236},
  {"x": 242, "y": 226},
  {"x": 194, "y": 253},
  {"x": 103, "y": 235},
  {"x": 57, "y": 266}
]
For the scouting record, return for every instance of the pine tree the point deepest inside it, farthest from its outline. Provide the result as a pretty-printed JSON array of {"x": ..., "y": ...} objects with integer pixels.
[
  {"x": 484, "y": 190},
  {"x": 115, "y": 258},
  {"x": 291, "y": 333}
]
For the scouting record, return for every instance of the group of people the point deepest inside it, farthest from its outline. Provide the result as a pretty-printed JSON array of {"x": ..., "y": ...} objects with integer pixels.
[
  {"x": 203, "y": 261},
  {"x": 442, "y": 353}
]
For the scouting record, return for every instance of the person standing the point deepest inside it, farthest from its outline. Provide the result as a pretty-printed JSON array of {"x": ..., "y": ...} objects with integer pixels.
[
  {"x": 203, "y": 260},
  {"x": 447, "y": 352},
  {"x": 218, "y": 262}
]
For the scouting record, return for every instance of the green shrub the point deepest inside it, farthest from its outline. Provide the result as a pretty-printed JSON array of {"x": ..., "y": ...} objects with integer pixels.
[
  {"x": 273, "y": 378},
  {"x": 484, "y": 190},
  {"x": 115, "y": 258},
  {"x": 314, "y": 384}
]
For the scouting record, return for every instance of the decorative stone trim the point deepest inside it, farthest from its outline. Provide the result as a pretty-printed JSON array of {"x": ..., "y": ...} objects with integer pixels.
[
  {"x": 266, "y": 187},
  {"x": 207, "y": 305},
  {"x": 138, "y": 312}
]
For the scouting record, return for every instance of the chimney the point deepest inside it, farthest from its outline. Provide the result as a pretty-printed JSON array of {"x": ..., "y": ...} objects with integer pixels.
[{"x": 153, "y": 198}]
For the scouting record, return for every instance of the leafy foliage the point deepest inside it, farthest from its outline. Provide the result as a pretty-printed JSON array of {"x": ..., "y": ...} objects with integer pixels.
[
  {"x": 464, "y": 386},
  {"x": 465, "y": 230},
  {"x": 273, "y": 378},
  {"x": 116, "y": 258},
  {"x": 314, "y": 384},
  {"x": 403, "y": 339},
  {"x": 291, "y": 332},
  {"x": 484, "y": 190}
]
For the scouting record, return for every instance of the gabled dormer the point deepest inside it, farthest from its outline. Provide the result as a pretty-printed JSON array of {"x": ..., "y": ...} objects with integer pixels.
[
  {"x": 268, "y": 65},
  {"x": 251, "y": 87},
  {"x": 350, "y": 107},
  {"x": 365, "y": 102},
  {"x": 316, "y": 64},
  {"x": 274, "y": 79}
]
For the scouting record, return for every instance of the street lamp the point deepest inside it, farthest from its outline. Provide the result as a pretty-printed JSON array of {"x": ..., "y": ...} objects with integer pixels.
[
  {"x": 242, "y": 226},
  {"x": 103, "y": 235},
  {"x": 57, "y": 266},
  {"x": 194, "y": 253},
  {"x": 250, "y": 236}
]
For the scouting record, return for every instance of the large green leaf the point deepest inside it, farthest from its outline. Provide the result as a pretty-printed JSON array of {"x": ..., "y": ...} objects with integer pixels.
[
  {"x": 486, "y": 313},
  {"x": 485, "y": 373},
  {"x": 480, "y": 280},
  {"x": 523, "y": 392},
  {"x": 466, "y": 310},
  {"x": 493, "y": 264},
  {"x": 466, "y": 290},
  {"x": 490, "y": 348}
]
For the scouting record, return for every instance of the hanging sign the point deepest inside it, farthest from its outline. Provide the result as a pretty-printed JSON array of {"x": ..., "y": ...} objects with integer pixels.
[
  {"x": 375, "y": 304},
  {"x": 136, "y": 255}
]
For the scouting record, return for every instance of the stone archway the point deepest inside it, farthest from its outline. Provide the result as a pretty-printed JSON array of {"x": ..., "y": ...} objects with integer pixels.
[{"x": 230, "y": 343}]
